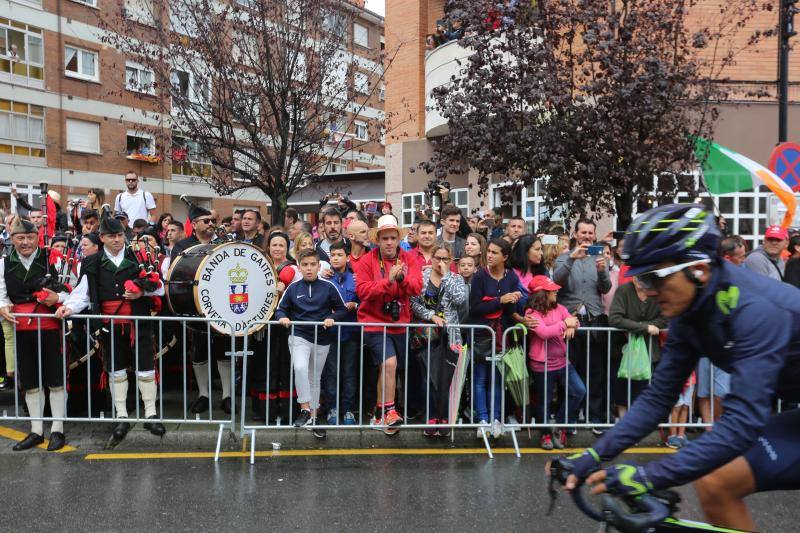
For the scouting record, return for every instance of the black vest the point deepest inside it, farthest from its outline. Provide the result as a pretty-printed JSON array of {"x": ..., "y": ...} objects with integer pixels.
[
  {"x": 21, "y": 283},
  {"x": 107, "y": 282}
]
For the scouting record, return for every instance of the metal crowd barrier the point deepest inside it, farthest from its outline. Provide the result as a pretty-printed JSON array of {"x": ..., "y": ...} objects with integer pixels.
[
  {"x": 258, "y": 351},
  {"x": 407, "y": 364},
  {"x": 168, "y": 412}
]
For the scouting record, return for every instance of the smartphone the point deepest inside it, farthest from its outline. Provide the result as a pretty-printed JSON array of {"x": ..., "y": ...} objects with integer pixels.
[
  {"x": 595, "y": 249},
  {"x": 550, "y": 239},
  {"x": 618, "y": 235}
]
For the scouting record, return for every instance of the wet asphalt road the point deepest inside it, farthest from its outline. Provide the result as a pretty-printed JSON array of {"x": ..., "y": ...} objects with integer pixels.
[{"x": 45, "y": 492}]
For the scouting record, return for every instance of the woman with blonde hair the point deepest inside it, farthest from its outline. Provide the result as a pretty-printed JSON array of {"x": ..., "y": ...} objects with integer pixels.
[
  {"x": 304, "y": 241},
  {"x": 550, "y": 254}
]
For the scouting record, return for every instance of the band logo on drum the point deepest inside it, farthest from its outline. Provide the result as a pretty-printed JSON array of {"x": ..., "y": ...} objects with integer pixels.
[{"x": 238, "y": 276}]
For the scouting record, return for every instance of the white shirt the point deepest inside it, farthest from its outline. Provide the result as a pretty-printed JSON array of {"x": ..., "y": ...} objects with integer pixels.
[
  {"x": 26, "y": 262},
  {"x": 135, "y": 205},
  {"x": 79, "y": 298}
]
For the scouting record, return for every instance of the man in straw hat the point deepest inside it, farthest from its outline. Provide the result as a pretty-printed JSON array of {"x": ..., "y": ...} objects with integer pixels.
[
  {"x": 24, "y": 274},
  {"x": 386, "y": 279},
  {"x": 112, "y": 285}
]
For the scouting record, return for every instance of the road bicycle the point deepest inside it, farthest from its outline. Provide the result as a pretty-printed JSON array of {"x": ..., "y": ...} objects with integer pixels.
[{"x": 644, "y": 514}]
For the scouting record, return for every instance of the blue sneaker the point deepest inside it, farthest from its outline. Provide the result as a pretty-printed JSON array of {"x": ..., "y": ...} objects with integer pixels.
[
  {"x": 349, "y": 419},
  {"x": 333, "y": 418},
  {"x": 675, "y": 442}
]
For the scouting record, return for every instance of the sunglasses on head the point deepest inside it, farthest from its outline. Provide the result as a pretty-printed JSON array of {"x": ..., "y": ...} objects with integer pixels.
[{"x": 655, "y": 278}]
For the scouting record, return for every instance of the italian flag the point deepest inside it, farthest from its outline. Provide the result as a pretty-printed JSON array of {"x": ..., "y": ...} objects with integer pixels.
[{"x": 725, "y": 171}]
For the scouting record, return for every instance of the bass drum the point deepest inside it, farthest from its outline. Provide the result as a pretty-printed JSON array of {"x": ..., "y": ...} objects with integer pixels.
[{"x": 232, "y": 282}]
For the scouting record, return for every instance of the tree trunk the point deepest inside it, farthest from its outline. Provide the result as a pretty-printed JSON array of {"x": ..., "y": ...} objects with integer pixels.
[
  {"x": 624, "y": 208},
  {"x": 279, "y": 204}
]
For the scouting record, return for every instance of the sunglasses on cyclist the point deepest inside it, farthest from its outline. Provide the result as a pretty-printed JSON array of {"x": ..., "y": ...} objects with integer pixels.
[{"x": 655, "y": 278}]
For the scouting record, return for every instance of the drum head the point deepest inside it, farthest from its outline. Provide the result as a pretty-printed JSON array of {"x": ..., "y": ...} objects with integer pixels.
[{"x": 235, "y": 283}]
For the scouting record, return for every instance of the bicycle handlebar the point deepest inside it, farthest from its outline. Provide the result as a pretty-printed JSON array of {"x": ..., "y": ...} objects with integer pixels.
[{"x": 645, "y": 511}]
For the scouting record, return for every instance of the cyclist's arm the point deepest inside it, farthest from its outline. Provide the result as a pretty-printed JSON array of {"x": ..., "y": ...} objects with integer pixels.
[
  {"x": 654, "y": 404},
  {"x": 760, "y": 336}
]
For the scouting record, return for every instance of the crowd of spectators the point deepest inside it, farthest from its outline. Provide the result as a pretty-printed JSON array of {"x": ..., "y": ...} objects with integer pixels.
[
  {"x": 469, "y": 277},
  {"x": 497, "y": 16}
]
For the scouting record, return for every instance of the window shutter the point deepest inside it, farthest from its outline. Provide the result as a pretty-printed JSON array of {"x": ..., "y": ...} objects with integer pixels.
[{"x": 83, "y": 136}]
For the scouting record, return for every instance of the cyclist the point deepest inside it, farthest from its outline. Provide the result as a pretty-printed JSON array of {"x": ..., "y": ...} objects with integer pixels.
[{"x": 749, "y": 326}]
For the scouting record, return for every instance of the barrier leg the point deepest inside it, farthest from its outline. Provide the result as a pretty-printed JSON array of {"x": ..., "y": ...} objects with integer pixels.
[
  {"x": 252, "y": 446},
  {"x": 219, "y": 442},
  {"x": 486, "y": 443},
  {"x": 516, "y": 444}
]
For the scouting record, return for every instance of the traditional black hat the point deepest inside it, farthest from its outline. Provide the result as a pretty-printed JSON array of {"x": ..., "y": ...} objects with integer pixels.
[
  {"x": 21, "y": 225},
  {"x": 195, "y": 211},
  {"x": 110, "y": 225}
]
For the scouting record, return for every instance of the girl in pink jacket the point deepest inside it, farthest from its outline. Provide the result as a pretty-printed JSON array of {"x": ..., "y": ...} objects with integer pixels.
[{"x": 547, "y": 358}]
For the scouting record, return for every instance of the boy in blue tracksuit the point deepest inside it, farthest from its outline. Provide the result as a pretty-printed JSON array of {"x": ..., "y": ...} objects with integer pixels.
[
  {"x": 340, "y": 368},
  {"x": 310, "y": 299}
]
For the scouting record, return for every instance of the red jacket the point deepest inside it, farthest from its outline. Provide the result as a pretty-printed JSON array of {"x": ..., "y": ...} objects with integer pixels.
[{"x": 374, "y": 289}]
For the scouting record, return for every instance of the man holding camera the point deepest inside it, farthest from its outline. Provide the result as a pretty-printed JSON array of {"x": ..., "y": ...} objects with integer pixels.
[{"x": 386, "y": 279}]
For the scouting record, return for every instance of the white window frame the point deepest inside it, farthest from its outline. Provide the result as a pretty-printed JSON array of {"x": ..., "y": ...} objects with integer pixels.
[
  {"x": 90, "y": 3},
  {"x": 382, "y": 92},
  {"x": 192, "y": 88},
  {"x": 190, "y": 162},
  {"x": 408, "y": 208},
  {"x": 142, "y": 135},
  {"x": 460, "y": 199},
  {"x": 361, "y": 82},
  {"x": 335, "y": 22},
  {"x": 183, "y": 24},
  {"x": 30, "y": 40},
  {"x": 139, "y": 86},
  {"x": 143, "y": 13},
  {"x": 72, "y": 147},
  {"x": 14, "y": 119},
  {"x": 360, "y": 35},
  {"x": 530, "y": 204},
  {"x": 364, "y": 127},
  {"x": 79, "y": 74},
  {"x": 336, "y": 166}
]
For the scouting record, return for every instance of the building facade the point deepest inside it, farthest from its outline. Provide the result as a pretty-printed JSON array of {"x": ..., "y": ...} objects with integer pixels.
[
  {"x": 747, "y": 124},
  {"x": 70, "y": 115}
]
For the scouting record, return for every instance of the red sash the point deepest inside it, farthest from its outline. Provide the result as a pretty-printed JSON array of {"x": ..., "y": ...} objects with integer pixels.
[
  {"x": 31, "y": 323},
  {"x": 117, "y": 308}
]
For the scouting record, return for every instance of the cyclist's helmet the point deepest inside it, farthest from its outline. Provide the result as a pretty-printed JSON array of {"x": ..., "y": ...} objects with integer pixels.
[{"x": 673, "y": 232}]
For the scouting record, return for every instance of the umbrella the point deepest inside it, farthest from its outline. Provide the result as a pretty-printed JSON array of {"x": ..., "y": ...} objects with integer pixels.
[
  {"x": 457, "y": 383},
  {"x": 515, "y": 371}
]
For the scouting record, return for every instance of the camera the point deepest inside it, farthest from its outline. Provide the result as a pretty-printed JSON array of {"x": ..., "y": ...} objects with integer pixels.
[
  {"x": 392, "y": 309},
  {"x": 433, "y": 187}
]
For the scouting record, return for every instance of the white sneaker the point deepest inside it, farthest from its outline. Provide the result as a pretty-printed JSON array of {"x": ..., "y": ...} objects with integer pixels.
[
  {"x": 479, "y": 432},
  {"x": 511, "y": 420},
  {"x": 497, "y": 429}
]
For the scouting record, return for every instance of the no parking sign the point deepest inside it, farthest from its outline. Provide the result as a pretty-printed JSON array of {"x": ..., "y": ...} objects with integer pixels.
[{"x": 785, "y": 163}]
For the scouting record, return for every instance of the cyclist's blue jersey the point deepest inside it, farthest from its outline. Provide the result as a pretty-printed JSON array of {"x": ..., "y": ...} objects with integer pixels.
[{"x": 749, "y": 326}]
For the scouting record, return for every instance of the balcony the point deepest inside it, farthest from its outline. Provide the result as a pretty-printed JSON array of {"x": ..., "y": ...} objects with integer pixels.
[{"x": 441, "y": 65}]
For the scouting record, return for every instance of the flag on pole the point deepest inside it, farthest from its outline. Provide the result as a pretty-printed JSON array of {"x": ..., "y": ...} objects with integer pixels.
[{"x": 725, "y": 171}]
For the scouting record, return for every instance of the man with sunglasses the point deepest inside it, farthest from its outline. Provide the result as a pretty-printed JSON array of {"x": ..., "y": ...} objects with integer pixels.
[
  {"x": 137, "y": 203},
  {"x": 746, "y": 324}
]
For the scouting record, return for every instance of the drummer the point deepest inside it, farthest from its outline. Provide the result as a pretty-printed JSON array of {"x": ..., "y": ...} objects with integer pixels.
[{"x": 204, "y": 232}]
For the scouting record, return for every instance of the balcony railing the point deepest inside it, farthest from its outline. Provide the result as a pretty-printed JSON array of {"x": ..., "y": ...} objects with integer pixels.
[{"x": 441, "y": 65}]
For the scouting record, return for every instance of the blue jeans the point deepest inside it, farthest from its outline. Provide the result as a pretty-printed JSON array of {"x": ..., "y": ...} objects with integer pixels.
[
  {"x": 482, "y": 391},
  {"x": 340, "y": 374},
  {"x": 568, "y": 381}
]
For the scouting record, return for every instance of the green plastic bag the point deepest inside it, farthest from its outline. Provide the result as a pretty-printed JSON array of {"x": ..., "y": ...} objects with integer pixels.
[{"x": 635, "y": 362}]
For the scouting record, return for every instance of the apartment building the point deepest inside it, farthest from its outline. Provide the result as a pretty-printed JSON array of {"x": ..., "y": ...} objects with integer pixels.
[
  {"x": 747, "y": 124},
  {"x": 73, "y": 113}
]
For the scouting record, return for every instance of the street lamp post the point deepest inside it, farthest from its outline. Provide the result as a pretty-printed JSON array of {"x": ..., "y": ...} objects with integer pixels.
[{"x": 787, "y": 31}]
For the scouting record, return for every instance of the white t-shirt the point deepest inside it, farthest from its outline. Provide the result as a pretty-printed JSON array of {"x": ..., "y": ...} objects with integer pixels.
[{"x": 135, "y": 205}]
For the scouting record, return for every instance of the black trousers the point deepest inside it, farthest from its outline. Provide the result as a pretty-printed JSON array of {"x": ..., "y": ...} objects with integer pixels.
[
  {"x": 30, "y": 353},
  {"x": 129, "y": 347}
]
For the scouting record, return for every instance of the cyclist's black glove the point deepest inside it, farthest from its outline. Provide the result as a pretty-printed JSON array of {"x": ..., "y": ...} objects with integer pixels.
[
  {"x": 584, "y": 464},
  {"x": 627, "y": 480}
]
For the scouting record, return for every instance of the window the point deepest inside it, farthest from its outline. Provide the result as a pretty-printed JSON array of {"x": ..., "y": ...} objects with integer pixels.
[
  {"x": 335, "y": 82},
  {"x": 92, "y": 3},
  {"x": 335, "y": 23},
  {"x": 337, "y": 165},
  {"x": 412, "y": 202},
  {"x": 299, "y": 70},
  {"x": 139, "y": 79},
  {"x": 360, "y": 35},
  {"x": 460, "y": 199},
  {"x": 83, "y": 136},
  {"x": 183, "y": 22},
  {"x": 382, "y": 92},
  {"x": 140, "y": 11},
  {"x": 361, "y": 132},
  {"x": 361, "y": 82},
  {"x": 21, "y": 51},
  {"x": 81, "y": 64},
  {"x": 528, "y": 203},
  {"x": 188, "y": 159},
  {"x": 141, "y": 147},
  {"x": 21, "y": 129},
  {"x": 184, "y": 85}
]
